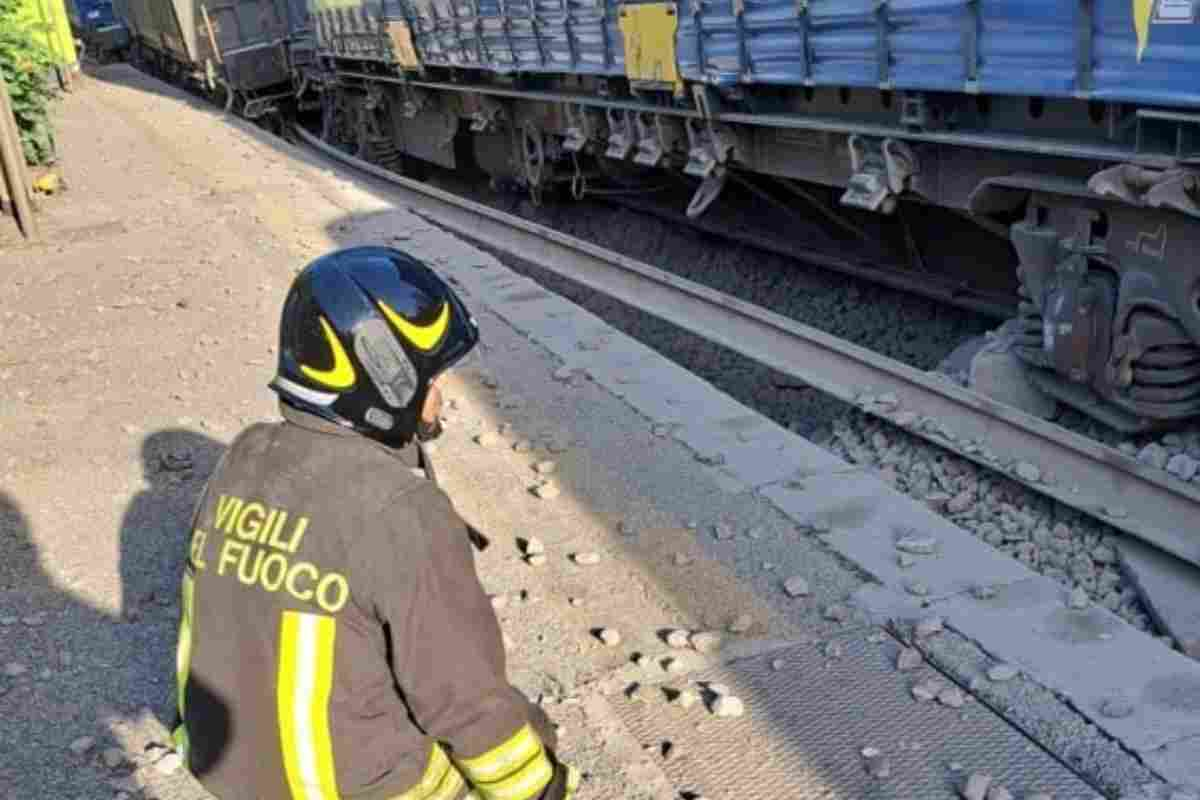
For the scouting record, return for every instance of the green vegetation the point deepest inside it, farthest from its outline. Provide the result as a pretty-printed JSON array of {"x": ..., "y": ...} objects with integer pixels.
[{"x": 25, "y": 63}]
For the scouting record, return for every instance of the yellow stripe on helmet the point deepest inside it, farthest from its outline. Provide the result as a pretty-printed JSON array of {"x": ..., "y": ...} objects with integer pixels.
[
  {"x": 303, "y": 685},
  {"x": 423, "y": 337},
  {"x": 341, "y": 374}
]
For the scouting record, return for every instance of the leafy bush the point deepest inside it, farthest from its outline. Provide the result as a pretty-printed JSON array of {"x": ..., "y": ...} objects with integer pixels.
[{"x": 25, "y": 63}]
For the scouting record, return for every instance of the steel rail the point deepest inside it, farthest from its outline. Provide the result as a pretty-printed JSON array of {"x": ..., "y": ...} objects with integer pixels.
[{"x": 1079, "y": 472}]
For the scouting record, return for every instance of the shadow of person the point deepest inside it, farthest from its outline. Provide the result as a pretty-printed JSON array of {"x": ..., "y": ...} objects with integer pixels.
[{"x": 156, "y": 527}]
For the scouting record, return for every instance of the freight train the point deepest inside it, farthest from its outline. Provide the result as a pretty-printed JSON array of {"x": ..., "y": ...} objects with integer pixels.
[{"x": 1072, "y": 127}]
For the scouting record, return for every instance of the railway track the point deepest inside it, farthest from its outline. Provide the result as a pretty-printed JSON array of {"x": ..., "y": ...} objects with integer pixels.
[{"x": 1076, "y": 471}]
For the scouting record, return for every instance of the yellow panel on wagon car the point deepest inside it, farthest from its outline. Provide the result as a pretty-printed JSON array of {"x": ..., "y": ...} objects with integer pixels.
[{"x": 649, "y": 33}]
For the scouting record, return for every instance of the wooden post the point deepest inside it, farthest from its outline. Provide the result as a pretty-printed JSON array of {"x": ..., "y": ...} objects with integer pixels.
[{"x": 12, "y": 159}]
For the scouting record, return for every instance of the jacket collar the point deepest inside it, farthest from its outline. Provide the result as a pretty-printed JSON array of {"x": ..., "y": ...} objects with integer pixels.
[{"x": 411, "y": 455}]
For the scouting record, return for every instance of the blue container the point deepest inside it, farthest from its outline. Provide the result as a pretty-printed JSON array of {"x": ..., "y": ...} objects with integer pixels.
[{"x": 1127, "y": 50}]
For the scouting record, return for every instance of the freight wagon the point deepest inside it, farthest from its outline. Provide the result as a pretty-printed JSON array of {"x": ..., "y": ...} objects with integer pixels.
[
  {"x": 238, "y": 49},
  {"x": 1069, "y": 127}
]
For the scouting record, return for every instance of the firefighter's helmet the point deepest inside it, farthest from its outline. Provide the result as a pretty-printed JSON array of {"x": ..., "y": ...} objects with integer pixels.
[{"x": 365, "y": 331}]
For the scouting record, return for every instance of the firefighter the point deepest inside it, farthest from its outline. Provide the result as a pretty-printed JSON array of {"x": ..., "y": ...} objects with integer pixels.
[{"x": 335, "y": 639}]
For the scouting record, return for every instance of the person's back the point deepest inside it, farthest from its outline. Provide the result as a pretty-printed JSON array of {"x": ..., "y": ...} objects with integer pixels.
[{"x": 335, "y": 639}]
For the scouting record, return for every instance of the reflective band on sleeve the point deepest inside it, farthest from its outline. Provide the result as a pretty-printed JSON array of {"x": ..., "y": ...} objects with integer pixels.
[
  {"x": 515, "y": 770},
  {"x": 441, "y": 781},
  {"x": 572, "y": 783},
  {"x": 302, "y": 690},
  {"x": 183, "y": 650}
]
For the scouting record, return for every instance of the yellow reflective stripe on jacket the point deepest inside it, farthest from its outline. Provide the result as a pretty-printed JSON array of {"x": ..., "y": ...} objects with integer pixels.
[
  {"x": 572, "y": 783},
  {"x": 183, "y": 650},
  {"x": 515, "y": 770},
  {"x": 441, "y": 781},
  {"x": 303, "y": 685}
]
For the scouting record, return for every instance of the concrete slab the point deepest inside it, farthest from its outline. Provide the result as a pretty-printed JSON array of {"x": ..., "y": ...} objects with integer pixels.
[
  {"x": 809, "y": 717},
  {"x": 1180, "y": 760},
  {"x": 1170, "y": 589},
  {"x": 1090, "y": 656}
]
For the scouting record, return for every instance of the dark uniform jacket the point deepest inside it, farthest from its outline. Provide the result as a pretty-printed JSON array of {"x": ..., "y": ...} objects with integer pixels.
[{"x": 335, "y": 640}]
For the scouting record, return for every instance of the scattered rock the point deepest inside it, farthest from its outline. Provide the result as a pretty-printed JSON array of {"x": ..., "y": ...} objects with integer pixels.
[
  {"x": 917, "y": 544},
  {"x": 1117, "y": 708},
  {"x": 726, "y": 705},
  {"x": 488, "y": 439},
  {"x": 686, "y": 698},
  {"x": 976, "y": 787},
  {"x": 983, "y": 592},
  {"x": 523, "y": 446},
  {"x": 536, "y": 560},
  {"x": 962, "y": 502},
  {"x": 722, "y": 532},
  {"x": 1103, "y": 554},
  {"x": 15, "y": 670},
  {"x": 586, "y": 559},
  {"x": 509, "y": 644},
  {"x": 534, "y": 546},
  {"x": 682, "y": 559},
  {"x": 924, "y": 692},
  {"x": 678, "y": 639},
  {"x": 1039, "y": 796},
  {"x": 837, "y": 613},
  {"x": 877, "y": 766},
  {"x": 834, "y": 650},
  {"x": 1154, "y": 455},
  {"x": 741, "y": 624},
  {"x": 998, "y": 792},
  {"x": 952, "y": 697},
  {"x": 82, "y": 745},
  {"x": 706, "y": 641},
  {"x": 1001, "y": 673},
  {"x": 1183, "y": 466},
  {"x": 168, "y": 764},
  {"x": 33, "y": 620},
  {"x": 797, "y": 586},
  {"x": 660, "y": 430},
  {"x": 917, "y": 588},
  {"x": 904, "y": 560},
  {"x": 675, "y": 665},
  {"x": 930, "y": 626},
  {"x": 499, "y": 601},
  {"x": 547, "y": 491},
  {"x": 113, "y": 757},
  {"x": 563, "y": 373},
  {"x": 610, "y": 636},
  {"x": 575, "y": 602},
  {"x": 1028, "y": 472},
  {"x": 909, "y": 659},
  {"x": 545, "y": 467},
  {"x": 1079, "y": 598},
  {"x": 777, "y": 664}
]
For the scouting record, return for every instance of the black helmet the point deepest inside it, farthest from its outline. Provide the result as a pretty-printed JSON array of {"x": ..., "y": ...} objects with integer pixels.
[{"x": 364, "y": 332}]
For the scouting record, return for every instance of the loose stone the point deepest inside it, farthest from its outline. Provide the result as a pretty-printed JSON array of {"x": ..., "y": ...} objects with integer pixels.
[
  {"x": 488, "y": 439},
  {"x": 999, "y": 793},
  {"x": 706, "y": 641},
  {"x": 977, "y": 786},
  {"x": 545, "y": 467},
  {"x": 15, "y": 670},
  {"x": 983, "y": 592},
  {"x": 722, "y": 532},
  {"x": 610, "y": 637},
  {"x": 878, "y": 766},
  {"x": 82, "y": 745},
  {"x": 728, "y": 706},
  {"x": 168, "y": 763},
  {"x": 909, "y": 659},
  {"x": 499, "y": 601},
  {"x": 1154, "y": 455},
  {"x": 523, "y": 446},
  {"x": 834, "y": 650},
  {"x": 675, "y": 665},
  {"x": 951, "y": 697},
  {"x": 917, "y": 588},
  {"x": 686, "y": 698},
  {"x": 742, "y": 624},
  {"x": 1117, "y": 708},
  {"x": 1079, "y": 598},
  {"x": 536, "y": 560},
  {"x": 777, "y": 664},
  {"x": 924, "y": 692},
  {"x": 682, "y": 559},
  {"x": 113, "y": 757},
  {"x": 797, "y": 587},
  {"x": 837, "y": 613},
  {"x": 1183, "y": 466},
  {"x": 1002, "y": 672},
  {"x": 678, "y": 639},
  {"x": 547, "y": 491},
  {"x": 587, "y": 559},
  {"x": 904, "y": 560},
  {"x": 917, "y": 544},
  {"x": 534, "y": 546},
  {"x": 1028, "y": 472}
]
